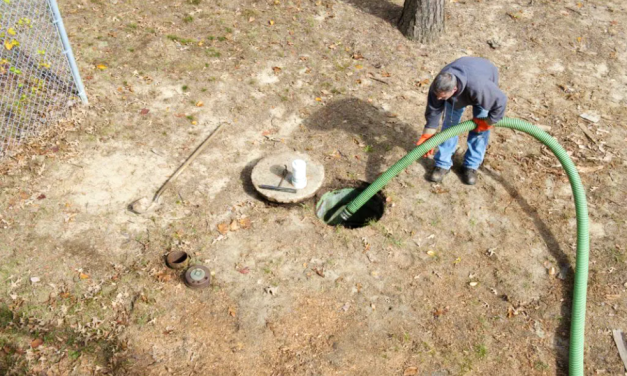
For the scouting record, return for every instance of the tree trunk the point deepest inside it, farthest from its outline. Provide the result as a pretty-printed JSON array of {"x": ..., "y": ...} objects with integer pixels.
[{"x": 422, "y": 20}]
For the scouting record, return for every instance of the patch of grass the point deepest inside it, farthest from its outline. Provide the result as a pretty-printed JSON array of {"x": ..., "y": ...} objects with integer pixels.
[
  {"x": 481, "y": 351},
  {"x": 369, "y": 149},
  {"x": 185, "y": 87},
  {"x": 213, "y": 53},
  {"x": 188, "y": 19},
  {"x": 540, "y": 366},
  {"x": 221, "y": 39},
  {"x": 194, "y": 2},
  {"x": 617, "y": 255},
  {"x": 189, "y": 117},
  {"x": 175, "y": 38},
  {"x": 228, "y": 30},
  {"x": 74, "y": 354},
  {"x": 394, "y": 240},
  {"x": 6, "y": 316},
  {"x": 132, "y": 26},
  {"x": 248, "y": 13}
]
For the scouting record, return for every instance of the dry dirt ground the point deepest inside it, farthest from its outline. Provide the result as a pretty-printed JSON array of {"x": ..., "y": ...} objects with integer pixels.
[{"x": 452, "y": 280}]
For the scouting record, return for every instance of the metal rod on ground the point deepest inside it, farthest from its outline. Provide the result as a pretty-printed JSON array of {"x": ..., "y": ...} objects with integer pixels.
[
  {"x": 280, "y": 189},
  {"x": 189, "y": 160},
  {"x": 142, "y": 205}
]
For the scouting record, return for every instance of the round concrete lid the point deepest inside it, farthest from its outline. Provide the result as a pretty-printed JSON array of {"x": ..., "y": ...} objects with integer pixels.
[{"x": 269, "y": 171}]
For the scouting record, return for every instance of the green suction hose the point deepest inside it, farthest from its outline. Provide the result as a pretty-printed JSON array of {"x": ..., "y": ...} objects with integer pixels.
[{"x": 583, "y": 242}]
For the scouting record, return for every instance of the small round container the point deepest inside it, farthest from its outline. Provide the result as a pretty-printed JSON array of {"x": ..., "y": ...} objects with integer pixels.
[
  {"x": 197, "y": 277},
  {"x": 299, "y": 174},
  {"x": 177, "y": 259}
]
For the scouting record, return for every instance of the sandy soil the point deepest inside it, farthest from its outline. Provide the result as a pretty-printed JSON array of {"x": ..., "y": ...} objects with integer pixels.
[{"x": 452, "y": 280}]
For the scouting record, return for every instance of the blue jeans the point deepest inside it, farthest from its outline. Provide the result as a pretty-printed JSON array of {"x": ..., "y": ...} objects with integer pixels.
[{"x": 477, "y": 141}]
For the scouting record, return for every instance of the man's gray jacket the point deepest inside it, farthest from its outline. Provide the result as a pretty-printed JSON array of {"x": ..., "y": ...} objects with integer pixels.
[{"x": 477, "y": 84}]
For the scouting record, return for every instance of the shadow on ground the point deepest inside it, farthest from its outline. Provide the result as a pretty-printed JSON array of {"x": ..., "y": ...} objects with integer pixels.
[
  {"x": 561, "y": 341},
  {"x": 377, "y": 129},
  {"x": 383, "y": 9}
]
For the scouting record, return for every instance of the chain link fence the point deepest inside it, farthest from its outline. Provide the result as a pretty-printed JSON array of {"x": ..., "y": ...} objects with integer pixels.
[{"x": 39, "y": 80}]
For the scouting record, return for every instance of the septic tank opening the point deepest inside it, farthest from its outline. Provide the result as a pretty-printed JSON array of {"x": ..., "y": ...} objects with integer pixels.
[{"x": 333, "y": 201}]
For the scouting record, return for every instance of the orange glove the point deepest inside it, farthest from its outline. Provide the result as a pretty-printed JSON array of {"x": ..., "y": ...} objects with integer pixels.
[
  {"x": 482, "y": 125},
  {"x": 424, "y": 138}
]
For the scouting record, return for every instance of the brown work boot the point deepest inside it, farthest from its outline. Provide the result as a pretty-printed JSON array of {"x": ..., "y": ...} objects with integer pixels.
[{"x": 438, "y": 174}]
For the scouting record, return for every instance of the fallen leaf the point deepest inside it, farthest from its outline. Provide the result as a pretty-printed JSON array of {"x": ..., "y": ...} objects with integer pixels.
[
  {"x": 276, "y": 70},
  {"x": 473, "y": 284},
  {"x": 431, "y": 253},
  {"x": 439, "y": 312},
  {"x": 385, "y": 74},
  {"x": 163, "y": 276},
  {"x": 144, "y": 111},
  {"x": 233, "y": 226},
  {"x": 359, "y": 66},
  {"x": 271, "y": 22},
  {"x": 422, "y": 83},
  {"x": 24, "y": 195},
  {"x": 199, "y": 104},
  {"x": 101, "y": 66},
  {"x": 591, "y": 116},
  {"x": 410, "y": 371},
  {"x": 232, "y": 312},
  {"x": 223, "y": 228},
  {"x": 513, "y": 15},
  {"x": 194, "y": 122},
  {"x": 41, "y": 196},
  {"x": 36, "y": 343},
  {"x": 34, "y": 280},
  {"x": 251, "y": 19},
  {"x": 358, "y": 56},
  {"x": 244, "y": 270},
  {"x": 319, "y": 271},
  {"x": 83, "y": 276},
  {"x": 244, "y": 222},
  {"x": 318, "y": 99}
]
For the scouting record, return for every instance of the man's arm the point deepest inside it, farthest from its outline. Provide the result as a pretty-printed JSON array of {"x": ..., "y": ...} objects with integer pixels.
[
  {"x": 433, "y": 113},
  {"x": 497, "y": 109}
]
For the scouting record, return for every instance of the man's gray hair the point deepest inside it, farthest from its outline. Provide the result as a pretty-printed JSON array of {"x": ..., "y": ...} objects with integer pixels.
[{"x": 444, "y": 83}]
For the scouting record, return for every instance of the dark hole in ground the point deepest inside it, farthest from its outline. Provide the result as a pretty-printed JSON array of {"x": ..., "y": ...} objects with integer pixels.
[{"x": 333, "y": 201}]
